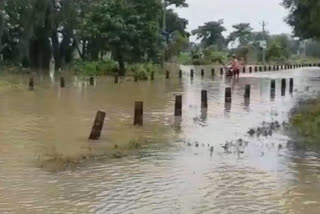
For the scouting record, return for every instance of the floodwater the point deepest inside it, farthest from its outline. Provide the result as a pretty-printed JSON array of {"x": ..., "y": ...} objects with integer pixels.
[{"x": 174, "y": 172}]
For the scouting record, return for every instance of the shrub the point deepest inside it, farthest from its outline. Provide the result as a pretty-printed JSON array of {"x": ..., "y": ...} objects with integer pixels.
[
  {"x": 94, "y": 68},
  {"x": 185, "y": 58},
  {"x": 306, "y": 120},
  {"x": 142, "y": 70}
]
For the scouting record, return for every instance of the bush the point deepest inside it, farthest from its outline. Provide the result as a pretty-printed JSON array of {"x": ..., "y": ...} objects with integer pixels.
[
  {"x": 210, "y": 55},
  {"x": 305, "y": 120},
  {"x": 142, "y": 70},
  {"x": 185, "y": 59},
  {"x": 94, "y": 68}
]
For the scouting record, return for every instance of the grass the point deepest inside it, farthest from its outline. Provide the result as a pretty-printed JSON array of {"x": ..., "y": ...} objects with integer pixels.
[
  {"x": 55, "y": 156},
  {"x": 305, "y": 119}
]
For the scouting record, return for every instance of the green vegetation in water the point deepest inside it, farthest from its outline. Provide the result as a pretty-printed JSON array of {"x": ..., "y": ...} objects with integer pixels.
[
  {"x": 109, "y": 67},
  {"x": 94, "y": 68},
  {"x": 305, "y": 120},
  {"x": 142, "y": 71},
  {"x": 59, "y": 156}
]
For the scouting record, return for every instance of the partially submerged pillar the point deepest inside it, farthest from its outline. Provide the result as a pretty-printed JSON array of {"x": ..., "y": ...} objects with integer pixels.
[
  {"x": 283, "y": 83},
  {"x": 228, "y": 95},
  {"x": 97, "y": 126},
  {"x": 138, "y": 114},
  {"x": 283, "y": 87},
  {"x": 291, "y": 85},
  {"x": 31, "y": 83},
  {"x": 91, "y": 81},
  {"x": 116, "y": 78},
  {"x": 273, "y": 85},
  {"x": 204, "y": 99},
  {"x": 62, "y": 82},
  {"x": 273, "y": 89},
  {"x": 178, "y": 106},
  {"x": 247, "y": 92}
]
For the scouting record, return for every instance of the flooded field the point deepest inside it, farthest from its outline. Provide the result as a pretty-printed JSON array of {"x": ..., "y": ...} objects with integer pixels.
[{"x": 174, "y": 170}]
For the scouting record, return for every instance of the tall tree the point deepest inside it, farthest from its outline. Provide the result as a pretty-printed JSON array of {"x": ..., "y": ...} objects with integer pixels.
[
  {"x": 303, "y": 17},
  {"x": 211, "y": 34},
  {"x": 177, "y": 3},
  {"x": 130, "y": 28},
  {"x": 242, "y": 34},
  {"x": 279, "y": 46},
  {"x": 176, "y": 23}
]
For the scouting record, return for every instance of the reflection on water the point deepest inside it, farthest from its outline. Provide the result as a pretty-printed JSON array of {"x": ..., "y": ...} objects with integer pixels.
[{"x": 176, "y": 173}]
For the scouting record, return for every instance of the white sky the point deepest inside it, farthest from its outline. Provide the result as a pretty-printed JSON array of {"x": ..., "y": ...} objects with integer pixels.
[{"x": 237, "y": 11}]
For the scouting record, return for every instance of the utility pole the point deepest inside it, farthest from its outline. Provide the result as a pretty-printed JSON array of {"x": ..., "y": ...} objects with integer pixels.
[{"x": 264, "y": 24}]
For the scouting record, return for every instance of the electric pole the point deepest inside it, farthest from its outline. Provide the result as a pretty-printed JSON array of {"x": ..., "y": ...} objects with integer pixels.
[{"x": 264, "y": 24}]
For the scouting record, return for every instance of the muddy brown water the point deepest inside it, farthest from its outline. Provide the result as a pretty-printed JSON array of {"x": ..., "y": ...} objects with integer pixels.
[{"x": 167, "y": 175}]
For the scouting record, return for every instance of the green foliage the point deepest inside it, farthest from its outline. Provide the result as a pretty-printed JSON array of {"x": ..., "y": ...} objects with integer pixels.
[
  {"x": 279, "y": 48},
  {"x": 143, "y": 70},
  {"x": 177, "y": 44},
  {"x": 213, "y": 55},
  {"x": 185, "y": 58},
  {"x": 209, "y": 55},
  {"x": 242, "y": 34},
  {"x": 312, "y": 48},
  {"x": 242, "y": 53},
  {"x": 33, "y": 31},
  {"x": 130, "y": 28},
  {"x": 177, "y": 3},
  {"x": 211, "y": 34},
  {"x": 306, "y": 120},
  {"x": 94, "y": 68},
  {"x": 303, "y": 17},
  {"x": 175, "y": 23}
]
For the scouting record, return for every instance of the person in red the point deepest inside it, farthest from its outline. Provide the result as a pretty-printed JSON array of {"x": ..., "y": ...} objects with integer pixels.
[{"x": 235, "y": 66}]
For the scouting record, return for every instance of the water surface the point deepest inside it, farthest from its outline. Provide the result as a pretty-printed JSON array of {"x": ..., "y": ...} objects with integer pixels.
[{"x": 168, "y": 175}]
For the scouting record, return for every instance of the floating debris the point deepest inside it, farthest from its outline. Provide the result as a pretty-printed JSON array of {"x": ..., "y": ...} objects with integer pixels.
[{"x": 267, "y": 129}]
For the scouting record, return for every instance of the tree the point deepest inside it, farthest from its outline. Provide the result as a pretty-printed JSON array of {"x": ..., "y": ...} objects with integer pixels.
[
  {"x": 129, "y": 28},
  {"x": 176, "y": 23},
  {"x": 303, "y": 17},
  {"x": 177, "y": 3},
  {"x": 312, "y": 48},
  {"x": 177, "y": 43},
  {"x": 34, "y": 31},
  {"x": 211, "y": 34},
  {"x": 279, "y": 47},
  {"x": 2, "y": 25},
  {"x": 242, "y": 33}
]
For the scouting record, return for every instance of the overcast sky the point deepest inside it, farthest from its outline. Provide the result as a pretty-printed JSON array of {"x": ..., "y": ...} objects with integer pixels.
[{"x": 237, "y": 11}]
